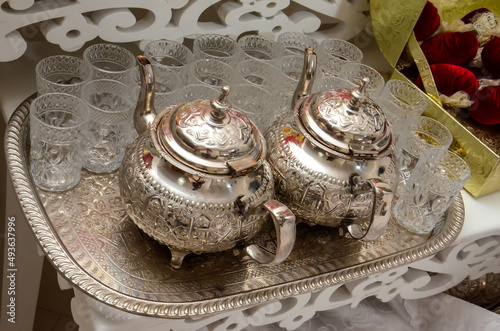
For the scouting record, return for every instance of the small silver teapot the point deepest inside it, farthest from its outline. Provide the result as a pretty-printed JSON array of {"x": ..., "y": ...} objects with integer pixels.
[
  {"x": 196, "y": 178},
  {"x": 333, "y": 158}
]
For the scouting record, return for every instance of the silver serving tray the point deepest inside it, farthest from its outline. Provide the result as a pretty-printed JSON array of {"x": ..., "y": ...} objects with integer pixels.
[{"x": 86, "y": 234}]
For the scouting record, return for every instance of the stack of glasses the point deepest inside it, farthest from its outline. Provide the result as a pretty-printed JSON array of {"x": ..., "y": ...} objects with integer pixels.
[{"x": 82, "y": 117}]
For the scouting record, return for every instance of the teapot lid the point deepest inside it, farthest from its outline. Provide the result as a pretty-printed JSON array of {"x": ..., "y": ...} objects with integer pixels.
[
  {"x": 210, "y": 136},
  {"x": 344, "y": 121}
]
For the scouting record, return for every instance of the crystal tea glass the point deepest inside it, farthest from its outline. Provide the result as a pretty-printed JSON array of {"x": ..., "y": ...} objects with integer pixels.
[
  {"x": 355, "y": 72},
  {"x": 110, "y": 61},
  {"x": 58, "y": 128},
  {"x": 210, "y": 72},
  {"x": 296, "y": 42},
  {"x": 291, "y": 67},
  {"x": 333, "y": 54},
  {"x": 331, "y": 83},
  {"x": 436, "y": 180},
  {"x": 111, "y": 105},
  {"x": 259, "y": 48},
  {"x": 167, "y": 83},
  {"x": 62, "y": 74},
  {"x": 193, "y": 92},
  {"x": 217, "y": 47},
  {"x": 407, "y": 99},
  {"x": 170, "y": 54},
  {"x": 419, "y": 134},
  {"x": 255, "y": 103},
  {"x": 259, "y": 73}
]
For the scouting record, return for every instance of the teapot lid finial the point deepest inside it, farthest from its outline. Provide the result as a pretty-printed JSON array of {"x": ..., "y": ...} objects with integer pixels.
[
  {"x": 359, "y": 93},
  {"x": 220, "y": 105}
]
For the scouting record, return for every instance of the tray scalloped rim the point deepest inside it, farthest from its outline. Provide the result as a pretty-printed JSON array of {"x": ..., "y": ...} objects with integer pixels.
[{"x": 57, "y": 254}]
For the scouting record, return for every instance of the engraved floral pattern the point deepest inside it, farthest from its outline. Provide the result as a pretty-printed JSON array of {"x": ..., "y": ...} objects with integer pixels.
[
  {"x": 192, "y": 125},
  {"x": 183, "y": 224},
  {"x": 366, "y": 121},
  {"x": 310, "y": 194}
]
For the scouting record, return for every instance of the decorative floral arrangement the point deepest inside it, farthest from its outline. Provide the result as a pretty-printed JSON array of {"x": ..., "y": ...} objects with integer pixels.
[{"x": 464, "y": 58}]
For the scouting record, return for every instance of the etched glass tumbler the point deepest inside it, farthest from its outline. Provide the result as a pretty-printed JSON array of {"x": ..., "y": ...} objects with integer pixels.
[
  {"x": 296, "y": 42},
  {"x": 110, "y": 61},
  {"x": 210, "y": 72},
  {"x": 333, "y": 54},
  {"x": 259, "y": 73},
  {"x": 170, "y": 54},
  {"x": 217, "y": 47},
  {"x": 436, "y": 180},
  {"x": 111, "y": 105},
  {"x": 167, "y": 83},
  {"x": 255, "y": 103},
  {"x": 63, "y": 74},
  {"x": 408, "y": 101},
  {"x": 419, "y": 134},
  {"x": 331, "y": 83},
  {"x": 193, "y": 92},
  {"x": 259, "y": 48},
  {"x": 58, "y": 127},
  {"x": 291, "y": 66},
  {"x": 355, "y": 72}
]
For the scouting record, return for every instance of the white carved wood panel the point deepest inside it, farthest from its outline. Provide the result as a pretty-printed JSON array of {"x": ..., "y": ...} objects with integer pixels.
[
  {"x": 471, "y": 258},
  {"x": 72, "y": 23}
]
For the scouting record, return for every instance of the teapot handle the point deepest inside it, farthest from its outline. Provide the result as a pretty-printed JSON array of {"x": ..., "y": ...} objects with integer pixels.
[
  {"x": 381, "y": 212},
  {"x": 284, "y": 222}
]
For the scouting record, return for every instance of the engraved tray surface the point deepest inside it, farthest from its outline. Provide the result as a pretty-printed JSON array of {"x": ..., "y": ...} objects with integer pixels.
[{"x": 86, "y": 234}]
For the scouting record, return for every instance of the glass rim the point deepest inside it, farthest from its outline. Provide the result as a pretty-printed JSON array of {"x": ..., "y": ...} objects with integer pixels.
[
  {"x": 40, "y": 99},
  {"x": 325, "y": 42},
  {"x": 199, "y": 63},
  {"x": 295, "y": 33},
  {"x": 274, "y": 47},
  {"x": 82, "y": 63},
  {"x": 377, "y": 74},
  {"x": 268, "y": 69},
  {"x": 123, "y": 49},
  {"x": 391, "y": 83},
  {"x": 171, "y": 72},
  {"x": 416, "y": 121},
  {"x": 209, "y": 35},
  {"x": 233, "y": 52},
  {"x": 463, "y": 176},
  {"x": 250, "y": 86},
  {"x": 161, "y": 43}
]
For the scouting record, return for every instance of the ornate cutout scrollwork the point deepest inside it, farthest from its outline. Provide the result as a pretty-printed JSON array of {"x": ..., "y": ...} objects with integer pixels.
[{"x": 72, "y": 23}]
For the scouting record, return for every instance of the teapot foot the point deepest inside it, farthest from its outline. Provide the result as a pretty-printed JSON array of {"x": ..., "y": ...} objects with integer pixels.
[{"x": 177, "y": 258}]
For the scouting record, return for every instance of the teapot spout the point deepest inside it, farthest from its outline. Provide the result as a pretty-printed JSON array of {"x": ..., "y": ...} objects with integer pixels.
[
  {"x": 306, "y": 80},
  {"x": 144, "y": 111}
]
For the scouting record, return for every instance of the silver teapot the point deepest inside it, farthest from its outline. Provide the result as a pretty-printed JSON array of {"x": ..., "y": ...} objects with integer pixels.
[
  {"x": 333, "y": 158},
  {"x": 196, "y": 178}
]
